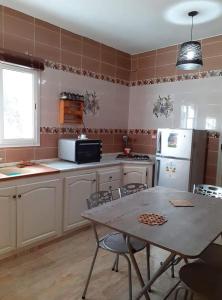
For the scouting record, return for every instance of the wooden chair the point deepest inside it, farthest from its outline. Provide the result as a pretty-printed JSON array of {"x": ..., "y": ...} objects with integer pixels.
[
  {"x": 202, "y": 279},
  {"x": 114, "y": 242}
]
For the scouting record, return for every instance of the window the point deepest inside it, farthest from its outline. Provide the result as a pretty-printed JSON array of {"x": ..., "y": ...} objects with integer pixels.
[{"x": 19, "y": 122}]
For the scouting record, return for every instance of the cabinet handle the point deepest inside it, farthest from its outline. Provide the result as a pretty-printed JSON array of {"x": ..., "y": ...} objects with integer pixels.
[
  {"x": 14, "y": 196},
  {"x": 19, "y": 196},
  {"x": 94, "y": 180},
  {"x": 110, "y": 177},
  {"x": 110, "y": 187},
  {"x": 124, "y": 173}
]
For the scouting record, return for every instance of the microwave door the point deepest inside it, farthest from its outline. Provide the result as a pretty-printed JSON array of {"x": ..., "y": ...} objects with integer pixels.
[{"x": 176, "y": 143}]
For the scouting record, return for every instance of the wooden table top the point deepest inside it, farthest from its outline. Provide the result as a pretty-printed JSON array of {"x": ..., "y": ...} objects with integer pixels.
[{"x": 188, "y": 231}]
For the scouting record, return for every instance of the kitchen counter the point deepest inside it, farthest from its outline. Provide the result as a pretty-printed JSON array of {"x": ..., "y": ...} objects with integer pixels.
[
  {"x": 105, "y": 162},
  {"x": 28, "y": 171}
]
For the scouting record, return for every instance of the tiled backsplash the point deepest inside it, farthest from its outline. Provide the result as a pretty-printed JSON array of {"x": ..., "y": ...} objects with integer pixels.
[{"x": 141, "y": 141}]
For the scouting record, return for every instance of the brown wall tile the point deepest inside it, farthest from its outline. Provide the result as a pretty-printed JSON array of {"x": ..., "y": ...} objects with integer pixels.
[
  {"x": 70, "y": 58},
  {"x": 211, "y": 171},
  {"x": 210, "y": 180},
  {"x": 167, "y": 49},
  {"x": 212, "y": 63},
  {"x": 2, "y": 156},
  {"x": 106, "y": 148},
  {"x": 91, "y": 49},
  {"x": 146, "y": 73},
  {"x": 134, "y": 64},
  {"x": 18, "y": 154},
  {"x": 47, "y": 25},
  {"x": 122, "y": 74},
  {"x": 166, "y": 58},
  {"x": 19, "y": 44},
  {"x": 123, "y": 62},
  {"x": 108, "y": 54},
  {"x": 90, "y": 64},
  {"x": 47, "y": 52},
  {"x": 168, "y": 70},
  {"x": 108, "y": 69},
  {"x": 71, "y": 42},
  {"x": 49, "y": 140},
  {"x": 18, "y": 27},
  {"x": 213, "y": 39},
  {"x": 214, "y": 49},
  {"x": 146, "y": 62},
  {"x": 17, "y": 14},
  {"x": 46, "y": 152},
  {"x": 212, "y": 157},
  {"x": 144, "y": 54},
  {"x": 47, "y": 36},
  {"x": 213, "y": 144}
]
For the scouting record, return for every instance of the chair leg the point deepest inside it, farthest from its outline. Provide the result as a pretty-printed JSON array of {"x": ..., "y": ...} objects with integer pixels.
[
  {"x": 117, "y": 263},
  {"x": 115, "y": 267},
  {"x": 171, "y": 290},
  {"x": 148, "y": 260},
  {"x": 90, "y": 273},
  {"x": 129, "y": 276}
]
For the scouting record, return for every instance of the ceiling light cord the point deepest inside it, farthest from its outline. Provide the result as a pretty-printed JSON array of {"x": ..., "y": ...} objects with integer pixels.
[{"x": 191, "y": 34}]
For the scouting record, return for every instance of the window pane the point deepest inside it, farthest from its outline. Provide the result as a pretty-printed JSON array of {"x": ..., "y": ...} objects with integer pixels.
[{"x": 18, "y": 105}]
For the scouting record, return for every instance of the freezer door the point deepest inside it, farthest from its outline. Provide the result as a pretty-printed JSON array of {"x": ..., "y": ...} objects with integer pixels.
[
  {"x": 174, "y": 143},
  {"x": 173, "y": 173}
]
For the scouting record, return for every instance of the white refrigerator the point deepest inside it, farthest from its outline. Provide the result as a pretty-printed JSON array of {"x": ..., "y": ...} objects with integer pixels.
[{"x": 180, "y": 158}]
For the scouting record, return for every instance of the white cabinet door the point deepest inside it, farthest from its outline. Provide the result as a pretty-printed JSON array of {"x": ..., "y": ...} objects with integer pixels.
[
  {"x": 134, "y": 175},
  {"x": 38, "y": 211},
  {"x": 77, "y": 189},
  {"x": 7, "y": 219}
]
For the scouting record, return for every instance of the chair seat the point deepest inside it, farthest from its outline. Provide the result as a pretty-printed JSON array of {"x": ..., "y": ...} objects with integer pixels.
[
  {"x": 213, "y": 255},
  {"x": 115, "y": 242},
  {"x": 202, "y": 279}
]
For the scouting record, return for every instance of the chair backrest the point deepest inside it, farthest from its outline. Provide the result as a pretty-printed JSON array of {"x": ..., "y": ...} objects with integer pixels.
[
  {"x": 132, "y": 188},
  {"x": 208, "y": 190},
  {"x": 116, "y": 194},
  {"x": 98, "y": 198}
]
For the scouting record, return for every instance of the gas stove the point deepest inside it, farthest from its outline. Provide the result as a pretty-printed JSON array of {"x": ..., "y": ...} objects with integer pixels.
[{"x": 134, "y": 157}]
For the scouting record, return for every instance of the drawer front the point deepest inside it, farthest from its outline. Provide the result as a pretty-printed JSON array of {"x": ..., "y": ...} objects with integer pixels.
[
  {"x": 108, "y": 176},
  {"x": 112, "y": 185}
]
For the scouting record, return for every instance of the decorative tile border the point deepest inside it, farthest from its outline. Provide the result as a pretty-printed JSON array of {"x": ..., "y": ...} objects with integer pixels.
[
  {"x": 182, "y": 77},
  {"x": 74, "y": 70},
  {"x": 199, "y": 75},
  {"x": 76, "y": 131}
]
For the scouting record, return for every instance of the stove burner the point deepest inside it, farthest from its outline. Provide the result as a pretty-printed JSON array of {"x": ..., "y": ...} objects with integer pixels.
[{"x": 133, "y": 157}]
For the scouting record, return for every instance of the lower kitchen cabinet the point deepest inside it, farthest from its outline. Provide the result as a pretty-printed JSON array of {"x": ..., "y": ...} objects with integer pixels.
[
  {"x": 134, "y": 175},
  {"x": 109, "y": 179},
  {"x": 38, "y": 211},
  {"x": 7, "y": 219},
  {"x": 77, "y": 189}
]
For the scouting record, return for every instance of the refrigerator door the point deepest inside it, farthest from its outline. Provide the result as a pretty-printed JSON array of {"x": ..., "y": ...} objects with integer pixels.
[
  {"x": 174, "y": 143},
  {"x": 172, "y": 173}
]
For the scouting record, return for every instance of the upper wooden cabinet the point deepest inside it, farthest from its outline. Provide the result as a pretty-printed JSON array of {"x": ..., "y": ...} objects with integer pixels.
[{"x": 71, "y": 111}]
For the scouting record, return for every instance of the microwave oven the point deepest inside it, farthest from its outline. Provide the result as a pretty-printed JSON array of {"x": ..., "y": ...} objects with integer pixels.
[{"x": 80, "y": 151}]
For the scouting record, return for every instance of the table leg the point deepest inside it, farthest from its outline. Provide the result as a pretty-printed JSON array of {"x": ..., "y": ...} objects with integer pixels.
[
  {"x": 159, "y": 272},
  {"x": 135, "y": 265}
]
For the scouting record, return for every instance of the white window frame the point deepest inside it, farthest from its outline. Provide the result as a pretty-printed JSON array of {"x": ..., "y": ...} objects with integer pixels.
[{"x": 36, "y": 106}]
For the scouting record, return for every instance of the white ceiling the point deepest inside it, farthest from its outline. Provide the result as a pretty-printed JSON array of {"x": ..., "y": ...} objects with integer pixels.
[{"x": 133, "y": 26}]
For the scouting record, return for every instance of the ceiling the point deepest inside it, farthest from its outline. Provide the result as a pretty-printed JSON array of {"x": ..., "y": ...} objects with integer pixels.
[{"x": 132, "y": 26}]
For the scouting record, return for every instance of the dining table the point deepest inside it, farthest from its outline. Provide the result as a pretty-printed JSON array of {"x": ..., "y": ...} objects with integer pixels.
[{"x": 187, "y": 232}]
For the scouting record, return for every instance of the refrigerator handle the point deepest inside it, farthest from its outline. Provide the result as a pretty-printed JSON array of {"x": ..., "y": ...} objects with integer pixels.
[
  {"x": 158, "y": 150},
  {"x": 157, "y": 172}
]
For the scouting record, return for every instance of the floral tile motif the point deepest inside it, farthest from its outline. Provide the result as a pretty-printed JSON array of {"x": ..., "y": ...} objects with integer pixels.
[{"x": 74, "y": 70}]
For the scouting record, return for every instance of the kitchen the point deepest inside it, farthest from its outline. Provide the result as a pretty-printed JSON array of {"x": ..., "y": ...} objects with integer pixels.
[{"x": 129, "y": 91}]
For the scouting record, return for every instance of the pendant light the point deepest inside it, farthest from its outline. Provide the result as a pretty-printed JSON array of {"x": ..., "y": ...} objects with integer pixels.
[{"x": 190, "y": 53}]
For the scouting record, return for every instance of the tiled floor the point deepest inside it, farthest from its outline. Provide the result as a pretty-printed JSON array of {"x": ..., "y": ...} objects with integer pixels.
[{"x": 58, "y": 272}]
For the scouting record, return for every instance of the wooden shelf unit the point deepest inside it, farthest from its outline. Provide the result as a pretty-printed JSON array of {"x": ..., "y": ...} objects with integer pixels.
[{"x": 71, "y": 111}]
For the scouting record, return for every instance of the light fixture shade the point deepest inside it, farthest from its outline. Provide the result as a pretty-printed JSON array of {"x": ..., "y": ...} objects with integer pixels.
[{"x": 189, "y": 56}]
